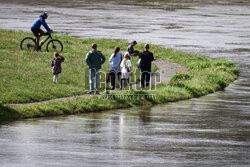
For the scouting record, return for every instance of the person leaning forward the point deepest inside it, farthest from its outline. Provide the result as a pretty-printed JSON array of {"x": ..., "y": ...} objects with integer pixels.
[
  {"x": 130, "y": 49},
  {"x": 94, "y": 60},
  {"x": 36, "y": 28}
]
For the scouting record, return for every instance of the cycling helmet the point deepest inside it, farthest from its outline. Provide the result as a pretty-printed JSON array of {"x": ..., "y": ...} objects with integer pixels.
[{"x": 45, "y": 14}]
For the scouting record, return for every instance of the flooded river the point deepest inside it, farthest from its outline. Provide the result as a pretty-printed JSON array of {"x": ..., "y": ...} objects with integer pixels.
[{"x": 210, "y": 131}]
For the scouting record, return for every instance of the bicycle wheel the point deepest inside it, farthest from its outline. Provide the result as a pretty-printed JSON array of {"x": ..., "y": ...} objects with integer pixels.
[
  {"x": 54, "y": 45},
  {"x": 28, "y": 43}
]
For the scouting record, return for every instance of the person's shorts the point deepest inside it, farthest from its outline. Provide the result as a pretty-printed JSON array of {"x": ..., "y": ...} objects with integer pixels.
[{"x": 35, "y": 31}]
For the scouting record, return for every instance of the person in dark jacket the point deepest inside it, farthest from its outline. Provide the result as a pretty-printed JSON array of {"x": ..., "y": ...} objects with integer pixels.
[
  {"x": 131, "y": 50},
  {"x": 145, "y": 65},
  {"x": 56, "y": 66},
  {"x": 36, "y": 28},
  {"x": 94, "y": 60}
]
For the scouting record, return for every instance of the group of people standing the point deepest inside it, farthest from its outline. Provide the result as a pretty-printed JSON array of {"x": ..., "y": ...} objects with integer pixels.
[{"x": 120, "y": 66}]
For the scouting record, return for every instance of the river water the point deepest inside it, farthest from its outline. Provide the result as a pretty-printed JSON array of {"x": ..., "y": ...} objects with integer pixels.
[{"x": 210, "y": 131}]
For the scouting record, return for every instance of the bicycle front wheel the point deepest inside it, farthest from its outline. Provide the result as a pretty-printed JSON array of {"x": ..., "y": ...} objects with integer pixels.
[
  {"x": 28, "y": 43},
  {"x": 54, "y": 45}
]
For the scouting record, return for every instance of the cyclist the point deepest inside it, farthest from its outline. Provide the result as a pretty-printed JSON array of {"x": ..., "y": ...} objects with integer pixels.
[{"x": 35, "y": 28}]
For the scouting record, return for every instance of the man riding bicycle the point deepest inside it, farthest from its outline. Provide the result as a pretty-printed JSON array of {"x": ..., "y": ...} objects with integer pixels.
[{"x": 35, "y": 28}]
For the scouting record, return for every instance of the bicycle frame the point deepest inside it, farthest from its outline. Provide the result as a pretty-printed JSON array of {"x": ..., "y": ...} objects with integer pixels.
[
  {"x": 29, "y": 43},
  {"x": 43, "y": 41}
]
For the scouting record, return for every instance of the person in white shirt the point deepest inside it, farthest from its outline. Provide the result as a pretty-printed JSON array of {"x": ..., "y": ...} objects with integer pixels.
[{"x": 126, "y": 71}]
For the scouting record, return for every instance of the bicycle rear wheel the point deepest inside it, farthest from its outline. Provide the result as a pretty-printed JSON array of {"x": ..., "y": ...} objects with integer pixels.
[
  {"x": 54, "y": 45},
  {"x": 28, "y": 43}
]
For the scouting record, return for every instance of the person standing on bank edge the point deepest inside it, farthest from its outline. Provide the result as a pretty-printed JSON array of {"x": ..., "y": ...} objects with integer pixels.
[
  {"x": 36, "y": 28},
  {"x": 115, "y": 61},
  {"x": 94, "y": 60},
  {"x": 145, "y": 65},
  {"x": 131, "y": 50}
]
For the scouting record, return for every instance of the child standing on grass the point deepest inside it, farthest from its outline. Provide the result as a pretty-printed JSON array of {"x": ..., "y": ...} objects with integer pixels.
[
  {"x": 56, "y": 66},
  {"x": 126, "y": 71}
]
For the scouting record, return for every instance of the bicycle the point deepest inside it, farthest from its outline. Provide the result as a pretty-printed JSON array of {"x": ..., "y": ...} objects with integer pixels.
[{"x": 28, "y": 43}]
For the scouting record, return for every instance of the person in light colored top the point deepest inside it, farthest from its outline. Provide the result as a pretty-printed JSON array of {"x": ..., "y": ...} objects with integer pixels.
[
  {"x": 126, "y": 71},
  {"x": 115, "y": 61}
]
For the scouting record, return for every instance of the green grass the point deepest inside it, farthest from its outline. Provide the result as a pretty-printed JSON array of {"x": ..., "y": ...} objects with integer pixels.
[{"x": 26, "y": 77}]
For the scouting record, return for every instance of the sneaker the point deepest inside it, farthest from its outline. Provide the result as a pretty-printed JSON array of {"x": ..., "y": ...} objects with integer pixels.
[
  {"x": 97, "y": 92},
  {"x": 90, "y": 92}
]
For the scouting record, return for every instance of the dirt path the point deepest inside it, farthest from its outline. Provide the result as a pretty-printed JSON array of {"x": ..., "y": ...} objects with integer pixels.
[{"x": 166, "y": 69}]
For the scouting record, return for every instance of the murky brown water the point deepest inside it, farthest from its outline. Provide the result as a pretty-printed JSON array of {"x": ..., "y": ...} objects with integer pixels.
[{"x": 209, "y": 131}]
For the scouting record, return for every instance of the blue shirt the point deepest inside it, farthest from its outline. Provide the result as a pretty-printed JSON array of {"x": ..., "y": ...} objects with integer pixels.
[
  {"x": 38, "y": 22},
  {"x": 115, "y": 62}
]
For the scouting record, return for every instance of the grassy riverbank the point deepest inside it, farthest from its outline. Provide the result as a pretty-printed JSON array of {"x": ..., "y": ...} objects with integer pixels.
[{"x": 26, "y": 77}]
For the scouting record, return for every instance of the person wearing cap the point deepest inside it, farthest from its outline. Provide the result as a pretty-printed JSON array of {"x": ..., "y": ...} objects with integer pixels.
[
  {"x": 131, "y": 50},
  {"x": 145, "y": 65},
  {"x": 94, "y": 60},
  {"x": 36, "y": 28}
]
